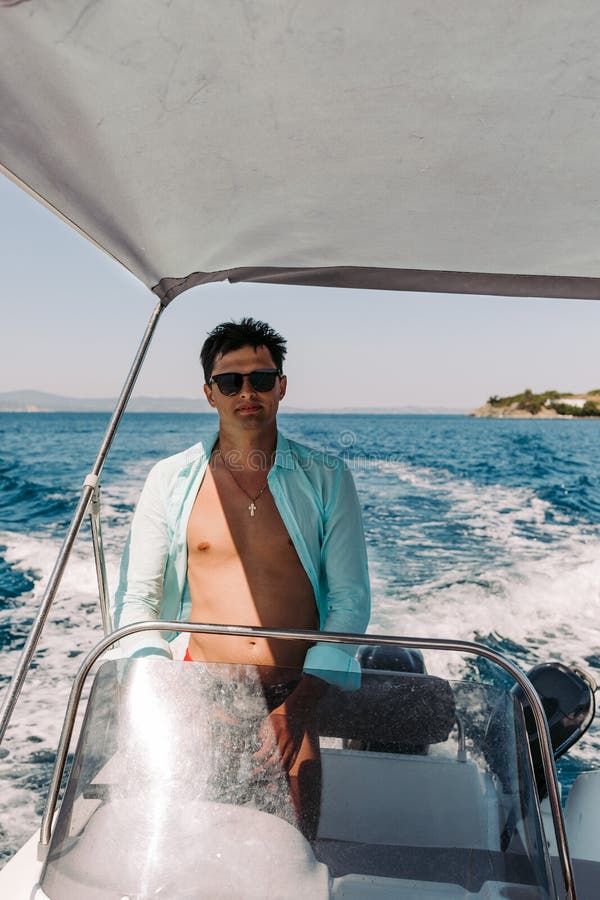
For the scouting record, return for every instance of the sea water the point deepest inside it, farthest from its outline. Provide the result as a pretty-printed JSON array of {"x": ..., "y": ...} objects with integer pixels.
[{"x": 476, "y": 529}]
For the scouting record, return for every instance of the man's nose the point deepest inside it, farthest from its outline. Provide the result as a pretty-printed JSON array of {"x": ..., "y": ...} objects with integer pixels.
[{"x": 246, "y": 386}]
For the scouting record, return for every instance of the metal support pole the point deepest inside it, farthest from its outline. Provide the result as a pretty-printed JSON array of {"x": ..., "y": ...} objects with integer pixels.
[
  {"x": 472, "y": 648},
  {"x": 96, "y": 528},
  {"x": 16, "y": 684}
]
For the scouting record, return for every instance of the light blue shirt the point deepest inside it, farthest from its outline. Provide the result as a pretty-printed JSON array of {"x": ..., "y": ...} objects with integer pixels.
[{"x": 316, "y": 498}]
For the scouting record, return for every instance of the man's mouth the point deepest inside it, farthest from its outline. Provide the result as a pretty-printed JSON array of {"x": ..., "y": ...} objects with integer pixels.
[{"x": 248, "y": 409}]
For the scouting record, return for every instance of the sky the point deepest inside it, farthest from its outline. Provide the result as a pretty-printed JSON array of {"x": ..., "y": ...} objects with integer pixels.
[{"x": 71, "y": 320}]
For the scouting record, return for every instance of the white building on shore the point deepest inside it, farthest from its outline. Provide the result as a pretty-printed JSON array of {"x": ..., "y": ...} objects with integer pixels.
[{"x": 578, "y": 402}]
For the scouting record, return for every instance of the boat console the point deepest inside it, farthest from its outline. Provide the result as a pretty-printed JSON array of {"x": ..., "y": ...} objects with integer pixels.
[{"x": 164, "y": 800}]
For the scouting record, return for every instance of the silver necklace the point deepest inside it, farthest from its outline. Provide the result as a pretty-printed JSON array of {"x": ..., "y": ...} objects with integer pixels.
[{"x": 251, "y": 498}]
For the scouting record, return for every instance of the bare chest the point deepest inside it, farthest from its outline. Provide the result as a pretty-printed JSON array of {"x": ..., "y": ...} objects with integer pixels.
[
  {"x": 243, "y": 567},
  {"x": 226, "y": 523}
]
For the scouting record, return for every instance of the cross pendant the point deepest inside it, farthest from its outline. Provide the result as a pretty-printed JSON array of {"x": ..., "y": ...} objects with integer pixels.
[{"x": 252, "y": 508}]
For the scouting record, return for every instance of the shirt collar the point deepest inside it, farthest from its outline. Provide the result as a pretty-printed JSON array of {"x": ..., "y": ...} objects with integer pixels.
[
  {"x": 284, "y": 458},
  {"x": 209, "y": 445}
]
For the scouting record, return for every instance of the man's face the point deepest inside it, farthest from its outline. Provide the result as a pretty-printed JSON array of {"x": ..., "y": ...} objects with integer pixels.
[{"x": 248, "y": 409}]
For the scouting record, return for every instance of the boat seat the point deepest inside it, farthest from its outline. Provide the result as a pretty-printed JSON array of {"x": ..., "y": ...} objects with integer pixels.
[
  {"x": 424, "y": 801},
  {"x": 366, "y": 887},
  {"x": 467, "y": 870},
  {"x": 390, "y": 708}
]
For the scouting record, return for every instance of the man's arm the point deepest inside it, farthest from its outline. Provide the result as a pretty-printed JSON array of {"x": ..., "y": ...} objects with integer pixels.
[
  {"x": 139, "y": 593},
  {"x": 345, "y": 569}
]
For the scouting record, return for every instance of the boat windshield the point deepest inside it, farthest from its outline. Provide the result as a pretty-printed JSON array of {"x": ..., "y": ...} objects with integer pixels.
[{"x": 425, "y": 790}]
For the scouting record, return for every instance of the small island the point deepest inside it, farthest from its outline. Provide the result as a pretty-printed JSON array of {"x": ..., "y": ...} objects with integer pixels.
[{"x": 549, "y": 405}]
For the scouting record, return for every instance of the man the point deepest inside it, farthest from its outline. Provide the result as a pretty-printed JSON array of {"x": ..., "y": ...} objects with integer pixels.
[{"x": 251, "y": 528}]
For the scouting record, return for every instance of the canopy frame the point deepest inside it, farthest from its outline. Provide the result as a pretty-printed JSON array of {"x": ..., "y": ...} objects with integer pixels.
[{"x": 86, "y": 502}]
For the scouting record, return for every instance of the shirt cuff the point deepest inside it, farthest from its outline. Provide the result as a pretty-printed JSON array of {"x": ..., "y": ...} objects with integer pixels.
[
  {"x": 334, "y": 665},
  {"x": 141, "y": 644}
]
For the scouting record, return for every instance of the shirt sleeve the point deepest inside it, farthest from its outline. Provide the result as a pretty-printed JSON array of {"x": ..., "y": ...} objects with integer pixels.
[
  {"x": 346, "y": 578},
  {"x": 140, "y": 589}
]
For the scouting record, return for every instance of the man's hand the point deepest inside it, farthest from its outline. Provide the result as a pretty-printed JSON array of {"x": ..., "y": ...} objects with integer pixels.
[
  {"x": 283, "y": 730},
  {"x": 281, "y": 734}
]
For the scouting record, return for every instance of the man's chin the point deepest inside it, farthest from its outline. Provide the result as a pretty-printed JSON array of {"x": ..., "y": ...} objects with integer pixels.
[{"x": 252, "y": 420}]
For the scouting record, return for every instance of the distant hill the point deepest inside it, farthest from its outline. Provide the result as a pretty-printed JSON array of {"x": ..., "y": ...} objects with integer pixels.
[
  {"x": 547, "y": 405},
  {"x": 39, "y": 401}
]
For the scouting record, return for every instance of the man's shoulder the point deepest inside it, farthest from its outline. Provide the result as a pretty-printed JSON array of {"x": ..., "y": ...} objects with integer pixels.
[
  {"x": 183, "y": 461},
  {"x": 306, "y": 456}
]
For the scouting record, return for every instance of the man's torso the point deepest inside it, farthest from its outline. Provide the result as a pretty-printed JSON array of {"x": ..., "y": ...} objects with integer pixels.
[{"x": 244, "y": 570}]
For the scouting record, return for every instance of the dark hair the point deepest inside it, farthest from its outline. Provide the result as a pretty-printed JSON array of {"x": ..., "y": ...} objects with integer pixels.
[{"x": 247, "y": 332}]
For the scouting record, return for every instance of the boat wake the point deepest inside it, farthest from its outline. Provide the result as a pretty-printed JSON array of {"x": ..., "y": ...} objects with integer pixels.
[{"x": 454, "y": 553}]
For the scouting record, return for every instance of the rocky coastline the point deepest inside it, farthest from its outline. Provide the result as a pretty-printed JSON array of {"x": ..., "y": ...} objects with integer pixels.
[
  {"x": 547, "y": 405},
  {"x": 487, "y": 411}
]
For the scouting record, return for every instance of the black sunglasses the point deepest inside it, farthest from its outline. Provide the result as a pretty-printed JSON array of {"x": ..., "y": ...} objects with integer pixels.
[{"x": 230, "y": 383}]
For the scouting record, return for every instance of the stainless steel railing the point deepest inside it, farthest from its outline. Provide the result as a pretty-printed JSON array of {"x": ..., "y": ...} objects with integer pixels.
[
  {"x": 99, "y": 559},
  {"x": 335, "y": 638}
]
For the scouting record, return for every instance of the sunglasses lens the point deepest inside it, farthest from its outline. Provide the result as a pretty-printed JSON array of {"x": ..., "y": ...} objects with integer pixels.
[
  {"x": 229, "y": 383},
  {"x": 262, "y": 381}
]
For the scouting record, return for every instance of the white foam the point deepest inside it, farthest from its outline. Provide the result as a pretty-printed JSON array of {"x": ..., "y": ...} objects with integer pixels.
[
  {"x": 38, "y": 553},
  {"x": 545, "y": 579},
  {"x": 542, "y": 591},
  {"x": 495, "y": 512},
  {"x": 73, "y": 627}
]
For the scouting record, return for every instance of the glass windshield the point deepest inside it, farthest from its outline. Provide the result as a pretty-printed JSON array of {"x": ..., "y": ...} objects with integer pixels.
[{"x": 409, "y": 786}]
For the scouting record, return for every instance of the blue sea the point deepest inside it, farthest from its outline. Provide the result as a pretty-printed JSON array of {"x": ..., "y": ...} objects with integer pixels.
[{"x": 476, "y": 529}]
